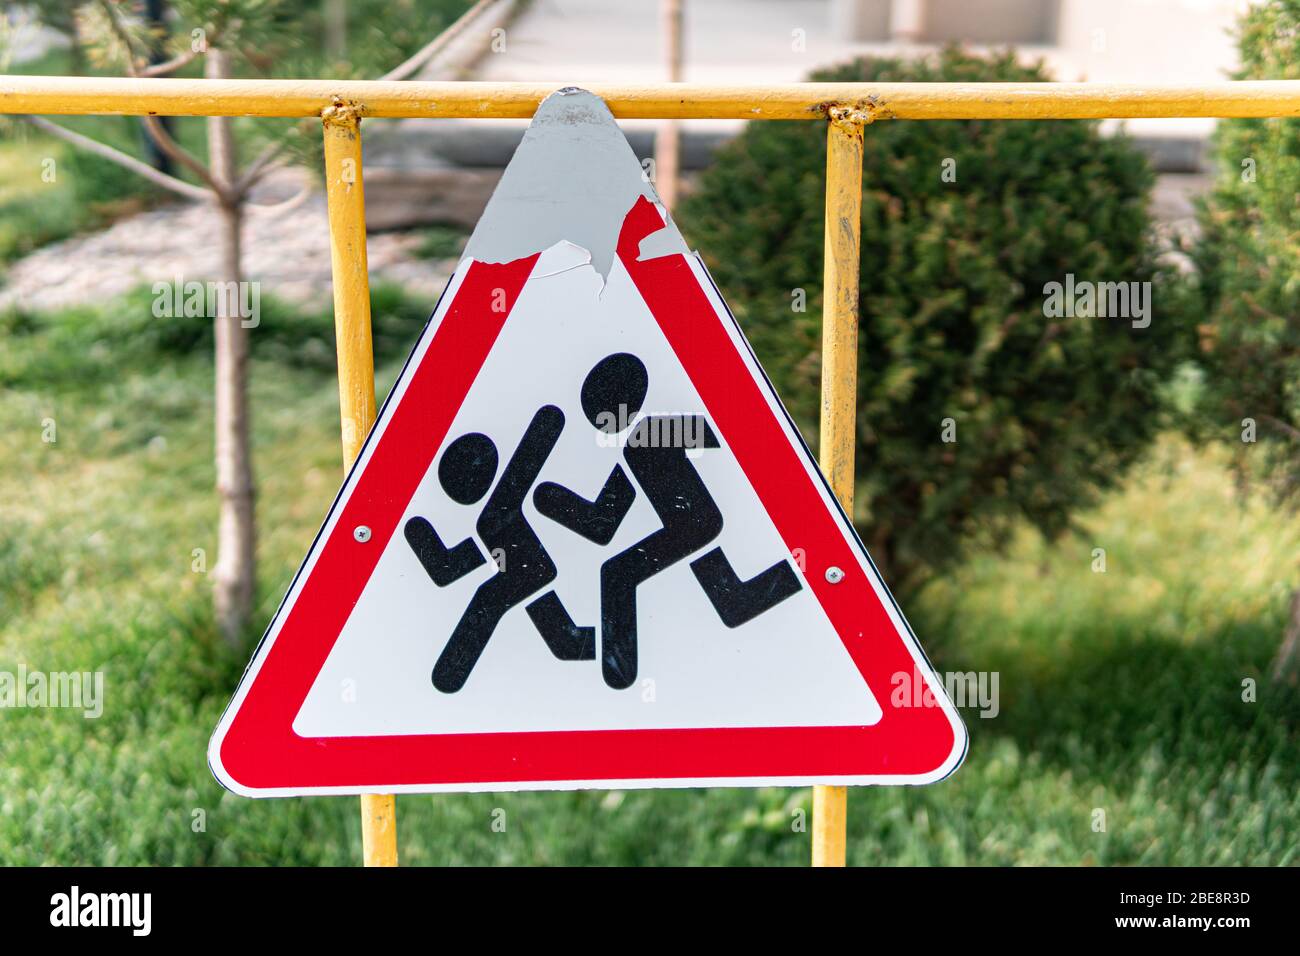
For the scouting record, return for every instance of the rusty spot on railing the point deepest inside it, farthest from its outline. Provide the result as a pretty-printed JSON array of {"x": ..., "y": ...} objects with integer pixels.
[
  {"x": 859, "y": 113},
  {"x": 343, "y": 112}
]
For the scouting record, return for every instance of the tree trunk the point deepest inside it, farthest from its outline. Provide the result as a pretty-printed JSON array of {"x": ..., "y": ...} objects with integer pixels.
[
  {"x": 233, "y": 576},
  {"x": 155, "y": 20},
  {"x": 1286, "y": 665},
  {"x": 336, "y": 28}
]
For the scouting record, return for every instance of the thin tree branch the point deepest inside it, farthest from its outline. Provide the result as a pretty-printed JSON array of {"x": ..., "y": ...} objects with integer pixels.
[
  {"x": 1287, "y": 429},
  {"x": 435, "y": 46},
  {"x": 122, "y": 159},
  {"x": 168, "y": 67},
  {"x": 267, "y": 160},
  {"x": 263, "y": 163},
  {"x": 285, "y": 205},
  {"x": 159, "y": 135},
  {"x": 152, "y": 126}
]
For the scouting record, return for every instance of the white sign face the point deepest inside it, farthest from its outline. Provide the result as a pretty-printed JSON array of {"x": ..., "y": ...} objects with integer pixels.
[
  {"x": 786, "y": 668},
  {"x": 584, "y": 544}
]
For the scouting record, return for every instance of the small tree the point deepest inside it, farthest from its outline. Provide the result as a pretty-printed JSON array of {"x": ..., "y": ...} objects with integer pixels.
[
  {"x": 217, "y": 32},
  {"x": 117, "y": 36},
  {"x": 983, "y": 399},
  {"x": 1248, "y": 267}
]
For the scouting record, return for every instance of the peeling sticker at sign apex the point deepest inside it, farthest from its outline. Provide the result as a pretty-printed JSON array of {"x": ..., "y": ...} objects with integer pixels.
[
  {"x": 666, "y": 242},
  {"x": 562, "y": 257},
  {"x": 572, "y": 179}
]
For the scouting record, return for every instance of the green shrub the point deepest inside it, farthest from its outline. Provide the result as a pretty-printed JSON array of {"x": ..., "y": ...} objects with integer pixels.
[
  {"x": 1047, "y": 411},
  {"x": 29, "y": 222},
  {"x": 380, "y": 34},
  {"x": 100, "y": 183},
  {"x": 1248, "y": 289},
  {"x": 441, "y": 242},
  {"x": 1248, "y": 263},
  {"x": 87, "y": 192}
]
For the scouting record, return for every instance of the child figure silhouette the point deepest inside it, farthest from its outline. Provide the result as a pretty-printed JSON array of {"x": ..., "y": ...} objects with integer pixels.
[
  {"x": 656, "y": 453},
  {"x": 465, "y": 472}
]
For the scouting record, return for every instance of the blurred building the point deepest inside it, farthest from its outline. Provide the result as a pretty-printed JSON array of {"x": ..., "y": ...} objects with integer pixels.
[
  {"x": 1105, "y": 41},
  {"x": 576, "y": 42},
  {"x": 1108, "y": 41},
  {"x": 1101, "y": 40}
]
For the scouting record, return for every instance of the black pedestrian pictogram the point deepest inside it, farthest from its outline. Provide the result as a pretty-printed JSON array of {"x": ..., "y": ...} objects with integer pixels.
[
  {"x": 656, "y": 453},
  {"x": 523, "y": 566}
]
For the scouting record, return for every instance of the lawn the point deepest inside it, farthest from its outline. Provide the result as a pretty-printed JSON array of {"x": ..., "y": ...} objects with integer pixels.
[{"x": 1121, "y": 691}]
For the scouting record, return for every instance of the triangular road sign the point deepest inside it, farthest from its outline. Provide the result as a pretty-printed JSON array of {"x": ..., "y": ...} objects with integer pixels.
[{"x": 584, "y": 545}]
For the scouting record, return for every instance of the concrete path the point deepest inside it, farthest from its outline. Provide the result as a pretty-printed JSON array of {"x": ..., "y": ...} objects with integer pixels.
[
  {"x": 287, "y": 252},
  {"x": 620, "y": 41}
]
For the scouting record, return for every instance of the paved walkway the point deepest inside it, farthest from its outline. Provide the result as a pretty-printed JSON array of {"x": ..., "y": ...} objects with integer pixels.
[
  {"x": 582, "y": 42},
  {"x": 287, "y": 252},
  {"x": 754, "y": 41},
  {"x": 617, "y": 41}
]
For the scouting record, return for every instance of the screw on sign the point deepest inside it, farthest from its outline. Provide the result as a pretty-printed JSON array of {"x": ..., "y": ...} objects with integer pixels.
[{"x": 582, "y": 480}]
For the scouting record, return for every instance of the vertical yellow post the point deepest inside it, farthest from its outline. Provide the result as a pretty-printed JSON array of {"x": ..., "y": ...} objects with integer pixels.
[
  {"x": 347, "y": 215},
  {"x": 839, "y": 387}
]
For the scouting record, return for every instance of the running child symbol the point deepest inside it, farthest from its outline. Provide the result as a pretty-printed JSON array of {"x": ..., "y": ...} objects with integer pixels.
[
  {"x": 524, "y": 568},
  {"x": 656, "y": 453}
]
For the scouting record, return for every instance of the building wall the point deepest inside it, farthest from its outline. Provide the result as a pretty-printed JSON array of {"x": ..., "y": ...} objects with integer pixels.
[
  {"x": 1148, "y": 41},
  {"x": 1103, "y": 40},
  {"x": 989, "y": 21}
]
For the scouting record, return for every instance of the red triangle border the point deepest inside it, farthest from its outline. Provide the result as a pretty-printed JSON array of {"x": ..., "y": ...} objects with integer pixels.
[{"x": 259, "y": 754}]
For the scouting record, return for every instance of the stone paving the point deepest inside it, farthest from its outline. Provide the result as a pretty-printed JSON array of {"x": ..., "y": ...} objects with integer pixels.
[{"x": 287, "y": 251}]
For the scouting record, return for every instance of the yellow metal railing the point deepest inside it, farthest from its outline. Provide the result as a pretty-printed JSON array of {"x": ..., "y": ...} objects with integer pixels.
[
  {"x": 846, "y": 107},
  {"x": 917, "y": 101}
]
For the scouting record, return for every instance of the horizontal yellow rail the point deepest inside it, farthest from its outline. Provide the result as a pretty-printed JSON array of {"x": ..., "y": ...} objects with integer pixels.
[{"x": 915, "y": 101}]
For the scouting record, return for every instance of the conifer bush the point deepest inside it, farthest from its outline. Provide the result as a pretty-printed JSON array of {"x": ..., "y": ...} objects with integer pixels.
[
  {"x": 1247, "y": 261},
  {"x": 981, "y": 401}
]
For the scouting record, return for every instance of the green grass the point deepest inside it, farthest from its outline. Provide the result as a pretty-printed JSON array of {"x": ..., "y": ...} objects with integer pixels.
[
  {"x": 441, "y": 242},
  {"x": 50, "y": 191},
  {"x": 1119, "y": 691}
]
